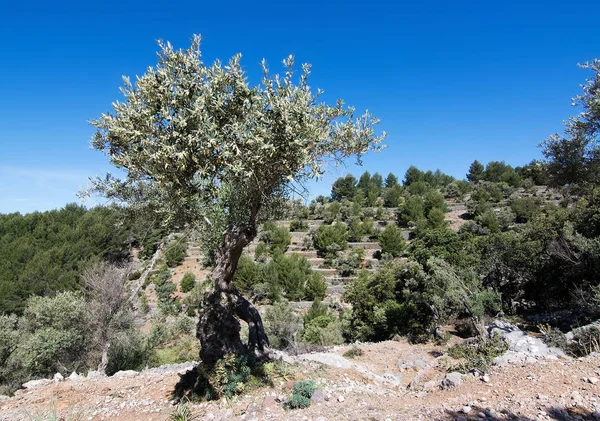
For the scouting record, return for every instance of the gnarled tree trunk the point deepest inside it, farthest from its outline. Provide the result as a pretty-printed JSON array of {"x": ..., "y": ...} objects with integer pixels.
[{"x": 221, "y": 308}]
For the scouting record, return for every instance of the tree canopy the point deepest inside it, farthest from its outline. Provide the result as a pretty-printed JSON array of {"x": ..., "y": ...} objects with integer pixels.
[
  {"x": 575, "y": 157},
  {"x": 190, "y": 135}
]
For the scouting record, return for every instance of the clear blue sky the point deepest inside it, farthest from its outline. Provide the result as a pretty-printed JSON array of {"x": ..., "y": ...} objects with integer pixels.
[{"x": 452, "y": 81}]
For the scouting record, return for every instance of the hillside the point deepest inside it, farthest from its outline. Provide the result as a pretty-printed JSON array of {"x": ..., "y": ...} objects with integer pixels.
[{"x": 391, "y": 380}]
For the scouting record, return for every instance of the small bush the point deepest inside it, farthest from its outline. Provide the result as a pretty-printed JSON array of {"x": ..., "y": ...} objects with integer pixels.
[
  {"x": 316, "y": 287},
  {"x": 276, "y": 238},
  {"x": 134, "y": 275},
  {"x": 302, "y": 391},
  {"x": 478, "y": 355},
  {"x": 174, "y": 253},
  {"x": 354, "y": 351},
  {"x": 184, "y": 325},
  {"x": 585, "y": 341},
  {"x": 299, "y": 225},
  {"x": 297, "y": 402},
  {"x": 188, "y": 282},
  {"x": 328, "y": 239},
  {"x": 282, "y": 325},
  {"x": 349, "y": 264},
  {"x": 525, "y": 208}
]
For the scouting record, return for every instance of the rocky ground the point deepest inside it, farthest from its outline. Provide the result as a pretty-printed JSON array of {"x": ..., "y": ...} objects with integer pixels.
[{"x": 392, "y": 380}]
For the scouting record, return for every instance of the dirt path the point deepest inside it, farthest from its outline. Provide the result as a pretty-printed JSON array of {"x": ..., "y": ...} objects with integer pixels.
[{"x": 390, "y": 381}]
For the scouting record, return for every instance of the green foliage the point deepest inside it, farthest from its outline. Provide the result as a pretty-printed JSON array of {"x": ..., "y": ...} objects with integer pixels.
[
  {"x": 388, "y": 302},
  {"x": 392, "y": 196},
  {"x": 174, "y": 253},
  {"x": 458, "y": 189},
  {"x": 282, "y": 325},
  {"x": 182, "y": 413},
  {"x": 347, "y": 265},
  {"x": 290, "y": 276},
  {"x": 411, "y": 211},
  {"x": 478, "y": 355},
  {"x": 323, "y": 329},
  {"x": 445, "y": 244},
  {"x": 185, "y": 348},
  {"x": 299, "y": 225},
  {"x": 128, "y": 351},
  {"x": 302, "y": 391},
  {"x": 328, "y": 239},
  {"x": 343, "y": 188},
  {"x": 525, "y": 208},
  {"x": 489, "y": 221},
  {"x": 392, "y": 241},
  {"x": 316, "y": 287},
  {"x": 353, "y": 352},
  {"x": 435, "y": 179},
  {"x": 277, "y": 239},
  {"x": 55, "y": 331},
  {"x": 304, "y": 388},
  {"x": 575, "y": 157},
  {"x": 333, "y": 212},
  {"x": 391, "y": 181},
  {"x": 188, "y": 282},
  {"x": 41, "y": 253},
  {"x": 476, "y": 172},
  {"x": 228, "y": 377}
]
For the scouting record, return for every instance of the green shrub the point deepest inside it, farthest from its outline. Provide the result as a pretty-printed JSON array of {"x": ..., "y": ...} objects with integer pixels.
[
  {"x": 299, "y": 225},
  {"x": 59, "y": 328},
  {"x": 276, "y": 238},
  {"x": 261, "y": 252},
  {"x": 333, "y": 212},
  {"x": 174, "y": 253},
  {"x": 458, "y": 189},
  {"x": 165, "y": 290},
  {"x": 411, "y": 211},
  {"x": 127, "y": 352},
  {"x": 354, "y": 351},
  {"x": 144, "y": 306},
  {"x": 182, "y": 413},
  {"x": 392, "y": 241},
  {"x": 184, "y": 325},
  {"x": 392, "y": 196},
  {"x": 525, "y": 208},
  {"x": 355, "y": 229},
  {"x": 159, "y": 334},
  {"x": 302, "y": 391},
  {"x": 328, "y": 239},
  {"x": 489, "y": 221},
  {"x": 188, "y": 282},
  {"x": 230, "y": 376},
  {"x": 282, "y": 325},
  {"x": 317, "y": 309},
  {"x": 436, "y": 218},
  {"x": 183, "y": 350},
  {"x": 316, "y": 287},
  {"x": 324, "y": 331},
  {"x": 134, "y": 275},
  {"x": 349, "y": 264},
  {"x": 297, "y": 402},
  {"x": 478, "y": 355}
]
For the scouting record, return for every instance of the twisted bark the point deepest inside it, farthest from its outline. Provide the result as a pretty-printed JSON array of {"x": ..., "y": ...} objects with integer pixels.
[{"x": 221, "y": 309}]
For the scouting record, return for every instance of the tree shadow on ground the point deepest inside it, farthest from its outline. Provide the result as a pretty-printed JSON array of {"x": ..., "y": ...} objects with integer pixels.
[{"x": 555, "y": 413}]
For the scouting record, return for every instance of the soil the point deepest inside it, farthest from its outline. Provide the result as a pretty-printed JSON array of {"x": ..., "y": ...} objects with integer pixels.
[{"x": 391, "y": 380}]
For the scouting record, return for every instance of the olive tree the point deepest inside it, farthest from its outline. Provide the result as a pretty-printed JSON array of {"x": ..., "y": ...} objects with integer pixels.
[
  {"x": 199, "y": 145},
  {"x": 575, "y": 157}
]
